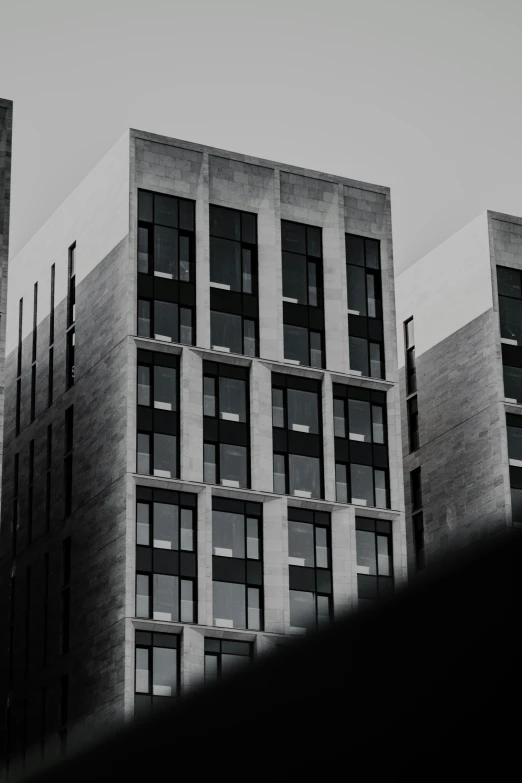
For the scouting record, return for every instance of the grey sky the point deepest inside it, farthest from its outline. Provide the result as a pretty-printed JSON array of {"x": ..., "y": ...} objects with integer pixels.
[{"x": 419, "y": 95}]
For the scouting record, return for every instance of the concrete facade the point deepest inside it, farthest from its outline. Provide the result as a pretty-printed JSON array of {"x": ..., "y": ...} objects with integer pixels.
[
  {"x": 101, "y": 218},
  {"x": 463, "y": 452}
]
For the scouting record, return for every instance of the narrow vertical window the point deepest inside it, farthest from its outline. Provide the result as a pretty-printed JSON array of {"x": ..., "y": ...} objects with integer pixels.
[
  {"x": 48, "y": 478},
  {"x": 27, "y": 645},
  {"x": 34, "y": 352},
  {"x": 14, "y": 532},
  {"x": 65, "y": 595},
  {"x": 30, "y": 494},
  {"x": 19, "y": 367},
  {"x": 71, "y": 318},
  {"x": 68, "y": 457},
  {"x": 51, "y": 341},
  {"x": 45, "y": 608},
  {"x": 411, "y": 368}
]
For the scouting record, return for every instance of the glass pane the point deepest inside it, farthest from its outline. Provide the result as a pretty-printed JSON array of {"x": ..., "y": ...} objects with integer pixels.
[
  {"x": 296, "y": 344},
  {"x": 361, "y": 477},
  {"x": 142, "y": 670},
  {"x": 211, "y": 667},
  {"x": 339, "y": 423},
  {"x": 316, "y": 350},
  {"x": 233, "y": 464},
  {"x": 224, "y": 223},
  {"x": 229, "y": 663},
  {"x": 165, "y": 597},
  {"x": 410, "y": 334},
  {"x": 359, "y": 421},
  {"x": 294, "y": 278},
  {"x": 225, "y": 331},
  {"x": 232, "y": 399},
  {"x": 301, "y": 544},
  {"x": 143, "y": 461},
  {"x": 143, "y": 385},
  {"x": 164, "y": 677},
  {"x": 249, "y": 337},
  {"x": 510, "y": 318},
  {"x": 143, "y": 318},
  {"x": 166, "y": 210},
  {"x": 376, "y": 363},
  {"x": 303, "y": 411},
  {"x": 366, "y": 558},
  {"x": 313, "y": 241},
  {"x": 515, "y": 442},
  {"x": 323, "y": 609},
  {"x": 166, "y": 516},
  {"x": 165, "y": 456},
  {"x": 187, "y": 601},
  {"x": 513, "y": 383},
  {"x": 383, "y": 556},
  {"x": 186, "y": 214},
  {"x": 166, "y": 252},
  {"x": 321, "y": 547},
  {"x": 143, "y": 524},
  {"x": 184, "y": 259},
  {"x": 341, "y": 483},
  {"x": 302, "y": 609},
  {"x": 143, "y": 249},
  {"x": 509, "y": 282},
  {"x": 373, "y": 304},
  {"x": 305, "y": 475},
  {"x": 378, "y": 424},
  {"x": 278, "y": 409},
  {"x": 142, "y": 596},
  {"x": 248, "y": 227},
  {"x": 187, "y": 530},
  {"x": 373, "y": 253},
  {"x": 145, "y": 206},
  {"x": 381, "y": 500},
  {"x": 247, "y": 270},
  {"x": 225, "y": 263},
  {"x": 166, "y": 321},
  {"x": 228, "y": 534},
  {"x": 165, "y": 388},
  {"x": 293, "y": 237},
  {"x": 185, "y": 326},
  {"x": 254, "y": 609},
  {"x": 252, "y": 539},
  {"x": 279, "y": 474},
  {"x": 516, "y": 505},
  {"x": 359, "y": 354},
  {"x": 356, "y": 289},
  {"x": 209, "y": 463},
  {"x": 229, "y": 605},
  {"x": 209, "y": 396},
  {"x": 355, "y": 250}
]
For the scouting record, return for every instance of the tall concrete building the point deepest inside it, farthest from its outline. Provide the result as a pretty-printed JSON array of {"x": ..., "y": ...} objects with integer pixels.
[
  {"x": 459, "y": 315},
  {"x": 6, "y": 132},
  {"x": 202, "y": 441}
]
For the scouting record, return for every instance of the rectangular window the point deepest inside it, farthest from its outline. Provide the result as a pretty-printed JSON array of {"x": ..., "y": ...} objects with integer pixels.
[
  {"x": 15, "y": 502},
  {"x": 418, "y": 540},
  {"x": 19, "y": 368},
  {"x": 413, "y": 422},
  {"x": 51, "y": 341},
  {"x": 157, "y": 669},
  {"x": 226, "y": 424},
  {"x": 416, "y": 489},
  {"x": 45, "y": 611},
  {"x": 30, "y": 493},
  {"x": 165, "y": 321},
  {"x": 34, "y": 351},
  {"x": 374, "y": 559},
  {"x": 68, "y": 461},
  {"x": 233, "y": 333},
  {"x": 223, "y": 656},
  {"x": 65, "y": 595},
  {"x": 166, "y": 562},
  {"x": 70, "y": 341},
  {"x": 157, "y": 414},
  {"x": 510, "y": 313},
  {"x": 27, "y": 645},
  {"x": 237, "y": 564},
  {"x": 411, "y": 367},
  {"x": 48, "y": 478},
  {"x": 514, "y": 437},
  {"x": 297, "y": 434},
  {"x": 310, "y": 574}
]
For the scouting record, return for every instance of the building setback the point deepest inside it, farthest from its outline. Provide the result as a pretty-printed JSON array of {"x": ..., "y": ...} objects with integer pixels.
[
  {"x": 202, "y": 441},
  {"x": 6, "y": 129},
  {"x": 459, "y": 316}
]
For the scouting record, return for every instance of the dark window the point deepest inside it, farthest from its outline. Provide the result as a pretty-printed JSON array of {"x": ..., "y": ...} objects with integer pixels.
[
  {"x": 297, "y": 432},
  {"x": 233, "y": 333},
  {"x": 48, "y": 477},
  {"x": 237, "y": 564},
  {"x": 45, "y": 608},
  {"x": 365, "y": 315},
  {"x": 158, "y": 414},
  {"x": 166, "y": 268},
  {"x": 374, "y": 558},
  {"x": 19, "y": 368},
  {"x": 303, "y": 306},
  {"x": 223, "y": 656},
  {"x": 411, "y": 367},
  {"x": 418, "y": 540},
  {"x": 226, "y": 425},
  {"x": 65, "y": 595},
  {"x": 68, "y": 461},
  {"x": 166, "y": 562},
  {"x": 30, "y": 494},
  {"x": 510, "y": 304},
  {"x": 34, "y": 353},
  {"x": 157, "y": 669},
  {"x": 514, "y": 435},
  {"x": 71, "y": 319},
  {"x": 15, "y": 501},
  {"x": 51, "y": 340},
  {"x": 27, "y": 645},
  {"x": 413, "y": 422},
  {"x": 361, "y": 446},
  {"x": 310, "y": 575},
  {"x": 416, "y": 489}
]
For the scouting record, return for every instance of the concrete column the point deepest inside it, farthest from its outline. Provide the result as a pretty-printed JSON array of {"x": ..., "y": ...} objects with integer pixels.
[
  {"x": 334, "y": 266},
  {"x": 328, "y": 438},
  {"x": 275, "y": 563},
  {"x": 343, "y": 560},
  {"x": 270, "y": 277},
  {"x": 261, "y": 427},
  {"x": 191, "y": 419},
  {"x": 203, "y": 258},
  {"x": 192, "y": 658},
  {"x": 205, "y": 557}
]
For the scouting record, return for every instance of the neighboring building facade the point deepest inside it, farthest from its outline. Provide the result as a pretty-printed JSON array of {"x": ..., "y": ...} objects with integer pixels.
[
  {"x": 6, "y": 133},
  {"x": 202, "y": 443},
  {"x": 459, "y": 316}
]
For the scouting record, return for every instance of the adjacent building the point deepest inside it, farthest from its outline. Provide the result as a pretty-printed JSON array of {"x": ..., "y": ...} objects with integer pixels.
[
  {"x": 6, "y": 132},
  {"x": 202, "y": 433},
  {"x": 459, "y": 315}
]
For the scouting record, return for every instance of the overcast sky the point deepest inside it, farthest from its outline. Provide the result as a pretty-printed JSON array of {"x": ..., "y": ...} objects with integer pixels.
[{"x": 419, "y": 95}]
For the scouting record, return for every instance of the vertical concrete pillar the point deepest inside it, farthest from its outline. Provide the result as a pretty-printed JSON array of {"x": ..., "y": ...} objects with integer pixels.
[
  {"x": 275, "y": 563},
  {"x": 191, "y": 419},
  {"x": 343, "y": 560},
  {"x": 334, "y": 266},
  {"x": 261, "y": 429},
  {"x": 328, "y": 438},
  {"x": 270, "y": 279},
  {"x": 205, "y": 557},
  {"x": 192, "y": 658}
]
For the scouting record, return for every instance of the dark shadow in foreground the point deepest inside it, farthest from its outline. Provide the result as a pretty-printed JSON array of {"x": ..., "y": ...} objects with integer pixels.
[{"x": 426, "y": 686}]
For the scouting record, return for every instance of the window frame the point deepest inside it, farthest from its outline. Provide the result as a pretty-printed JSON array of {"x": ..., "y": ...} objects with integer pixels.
[{"x": 379, "y": 528}]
